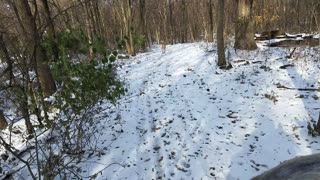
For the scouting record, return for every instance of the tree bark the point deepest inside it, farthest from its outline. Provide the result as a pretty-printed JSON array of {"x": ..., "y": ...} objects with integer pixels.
[
  {"x": 3, "y": 121},
  {"x": 244, "y": 30},
  {"x": 127, "y": 17},
  {"x": 4, "y": 49},
  {"x": 184, "y": 22},
  {"x": 24, "y": 107},
  {"x": 89, "y": 28},
  {"x": 210, "y": 34},
  {"x": 51, "y": 30},
  {"x": 33, "y": 40},
  {"x": 170, "y": 3},
  {"x": 220, "y": 39},
  {"x": 143, "y": 20}
]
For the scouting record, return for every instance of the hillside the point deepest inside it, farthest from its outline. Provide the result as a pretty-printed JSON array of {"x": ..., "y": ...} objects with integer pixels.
[{"x": 184, "y": 118}]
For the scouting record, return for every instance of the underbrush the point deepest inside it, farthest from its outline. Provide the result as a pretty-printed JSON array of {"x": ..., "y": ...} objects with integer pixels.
[{"x": 62, "y": 127}]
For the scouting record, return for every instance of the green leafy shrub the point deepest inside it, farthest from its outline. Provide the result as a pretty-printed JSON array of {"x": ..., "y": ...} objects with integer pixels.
[
  {"x": 74, "y": 41},
  {"x": 140, "y": 41},
  {"x": 99, "y": 45},
  {"x": 121, "y": 42},
  {"x": 83, "y": 85}
]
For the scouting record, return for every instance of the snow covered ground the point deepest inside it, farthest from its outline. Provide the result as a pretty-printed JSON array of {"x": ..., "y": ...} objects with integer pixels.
[{"x": 184, "y": 118}]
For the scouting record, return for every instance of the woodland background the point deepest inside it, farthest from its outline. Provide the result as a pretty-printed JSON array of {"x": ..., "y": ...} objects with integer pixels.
[{"x": 65, "y": 50}]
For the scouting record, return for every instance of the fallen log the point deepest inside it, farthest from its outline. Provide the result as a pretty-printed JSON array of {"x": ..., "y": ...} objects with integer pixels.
[
  {"x": 273, "y": 34},
  {"x": 304, "y": 167},
  {"x": 299, "y": 89},
  {"x": 295, "y": 43},
  {"x": 287, "y": 40}
]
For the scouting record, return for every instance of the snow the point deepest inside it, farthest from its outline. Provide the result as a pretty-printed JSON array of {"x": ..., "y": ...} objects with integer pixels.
[{"x": 184, "y": 118}]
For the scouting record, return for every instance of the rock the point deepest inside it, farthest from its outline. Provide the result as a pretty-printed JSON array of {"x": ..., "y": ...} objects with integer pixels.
[
  {"x": 304, "y": 167},
  {"x": 4, "y": 157},
  {"x": 157, "y": 148}
]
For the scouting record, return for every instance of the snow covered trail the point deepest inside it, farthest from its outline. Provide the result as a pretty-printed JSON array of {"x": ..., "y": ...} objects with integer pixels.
[{"x": 183, "y": 118}]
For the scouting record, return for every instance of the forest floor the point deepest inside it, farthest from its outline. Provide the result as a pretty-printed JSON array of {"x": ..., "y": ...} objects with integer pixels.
[{"x": 184, "y": 118}]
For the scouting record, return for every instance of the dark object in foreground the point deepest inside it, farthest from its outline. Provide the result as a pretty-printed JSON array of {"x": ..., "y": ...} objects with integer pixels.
[{"x": 299, "y": 168}]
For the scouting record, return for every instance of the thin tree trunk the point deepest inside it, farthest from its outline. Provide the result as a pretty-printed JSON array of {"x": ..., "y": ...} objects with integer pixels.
[
  {"x": 220, "y": 39},
  {"x": 89, "y": 29},
  {"x": 170, "y": 4},
  {"x": 25, "y": 113},
  {"x": 51, "y": 29},
  {"x": 97, "y": 13},
  {"x": 3, "y": 121},
  {"x": 184, "y": 23},
  {"x": 210, "y": 33},
  {"x": 127, "y": 17},
  {"x": 3, "y": 48},
  {"x": 143, "y": 21}
]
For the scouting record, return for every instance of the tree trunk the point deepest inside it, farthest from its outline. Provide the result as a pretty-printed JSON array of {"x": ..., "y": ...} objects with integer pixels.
[
  {"x": 3, "y": 121},
  {"x": 164, "y": 21},
  {"x": 89, "y": 29},
  {"x": 4, "y": 49},
  {"x": 24, "y": 107},
  {"x": 143, "y": 21},
  {"x": 99, "y": 21},
  {"x": 244, "y": 32},
  {"x": 126, "y": 13},
  {"x": 170, "y": 3},
  {"x": 210, "y": 33},
  {"x": 220, "y": 39},
  {"x": 33, "y": 40},
  {"x": 51, "y": 29},
  {"x": 184, "y": 23}
]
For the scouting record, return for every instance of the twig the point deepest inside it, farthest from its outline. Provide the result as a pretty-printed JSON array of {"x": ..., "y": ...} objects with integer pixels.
[
  {"x": 91, "y": 176},
  {"x": 8, "y": 148},
  {"x": 285, "y": 66},
  {"x": 9, "y": 174},
  {"x": 290, "y": 55}
]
